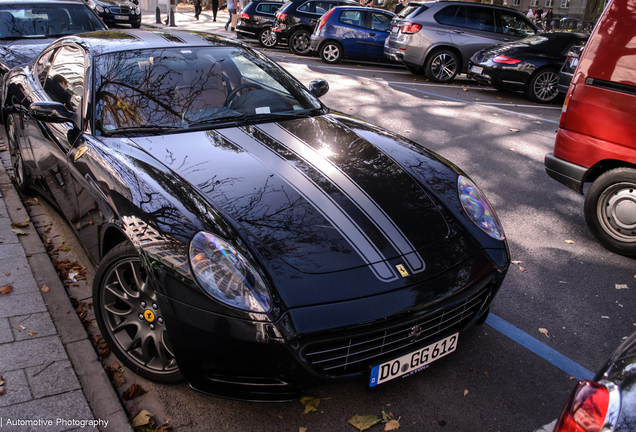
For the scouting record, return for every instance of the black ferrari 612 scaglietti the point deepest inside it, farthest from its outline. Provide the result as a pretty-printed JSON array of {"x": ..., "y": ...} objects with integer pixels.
[{"x": 249, "y": 239}]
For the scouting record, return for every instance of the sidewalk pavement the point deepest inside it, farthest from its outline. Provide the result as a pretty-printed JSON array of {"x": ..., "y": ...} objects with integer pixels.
[
  {"x": 184, "y": 20},
  {"x": 50, "y": 376}
]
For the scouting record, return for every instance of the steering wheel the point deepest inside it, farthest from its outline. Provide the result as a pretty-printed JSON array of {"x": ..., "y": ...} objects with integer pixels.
[{"x": 235, "y": 92}]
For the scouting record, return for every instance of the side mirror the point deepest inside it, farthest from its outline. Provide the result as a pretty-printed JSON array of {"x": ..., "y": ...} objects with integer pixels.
[
  {"x": 51, "y": 112},
  {"x": 318, "y": 88}
]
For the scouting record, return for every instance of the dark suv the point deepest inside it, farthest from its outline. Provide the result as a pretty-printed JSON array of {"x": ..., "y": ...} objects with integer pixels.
[
  {"x": 296, "y": 19},
  {"x": 438, "y": 38},
  {"x": 256, "y": 21}
]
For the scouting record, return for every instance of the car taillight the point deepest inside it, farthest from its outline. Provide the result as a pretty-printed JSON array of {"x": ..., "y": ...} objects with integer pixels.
[
  {"x": 586, "y": 409},
  {"x": 324, "y": 19},
  {"x": 245, "y": 16},
  {"x": 505, "y": 60},
  {"x": 566, "y": 104},
  {"x": 410, "y": 28},
  {"x": 281, "y": 16}
]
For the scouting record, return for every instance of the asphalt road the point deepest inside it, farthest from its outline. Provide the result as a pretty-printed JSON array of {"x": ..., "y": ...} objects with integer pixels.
[{"x": 562, "y": 294}]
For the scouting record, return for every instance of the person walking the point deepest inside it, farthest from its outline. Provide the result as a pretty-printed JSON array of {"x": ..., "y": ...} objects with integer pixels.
[
  {"x": 215, "y": 9},
  {"x": 231, "y": 8},
  {"x": 197, "y": 8},
  {"x": 539, "y": 12},
  {"x": 548, "y": 19}
]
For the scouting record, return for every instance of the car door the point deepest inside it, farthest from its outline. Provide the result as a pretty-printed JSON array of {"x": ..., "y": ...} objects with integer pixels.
[
  {"x": 378, "y": 29},
  {"x": 52, "y": 142},
  {"x": 350, "y": 32},
  {"x": 472, "y": 29}
]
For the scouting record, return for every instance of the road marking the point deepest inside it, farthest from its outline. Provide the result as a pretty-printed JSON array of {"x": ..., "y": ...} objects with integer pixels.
[
  {"x": 552, "y": 356},
  {"x": 405, "y": 87},
  {"x": 548, "y": 428}
]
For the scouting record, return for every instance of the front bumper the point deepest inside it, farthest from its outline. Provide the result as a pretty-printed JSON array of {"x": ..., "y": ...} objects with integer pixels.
[
  {"x": 309, "y": 346},
  {"x": 116, "y": 18},
  {"x": 499, "y": 78}
]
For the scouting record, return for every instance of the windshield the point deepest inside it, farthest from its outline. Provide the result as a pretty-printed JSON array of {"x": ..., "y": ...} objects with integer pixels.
[
  {"x": 42, "y": 20},
  {"x": 177, "y": 88}
]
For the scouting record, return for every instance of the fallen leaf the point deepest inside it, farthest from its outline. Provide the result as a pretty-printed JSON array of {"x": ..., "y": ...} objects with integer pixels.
[
  {"x": 141, "y": 419},
  {"x": 135, "y": 390},
  {"x": 544, "y": 331},
  {"x": 45, "y": 288},
  {"x": 465, "y": 392},
  {"x": 3, "y": 391},
  {"x": 19, "y": 232},
  {"x": 302, "y": 429},
  {"x": 521, "y": 268},
  {"x": 2, "y": 381},
  {"x": 569, "y": 241},
  {"x": 363, "y": 422},
  {"x": 621, "y": 286},
  {"x": 391, "y": 425},
  {"x": 7, "y": 274},
  {"x": 465, "y": 89},
  {"x": 407, "y": 131},
  {"x": 32, "y": 333},
  {"x": 514, "y": 130},
  {"x": 63, "y": 249},
  {"x": 311, "y": 404},
  {"x": 19, "y": 225},
  {"x": 6, "y": 289},
  {"x": 516, "y": 262},
  {"x": 605, "y": 317}
]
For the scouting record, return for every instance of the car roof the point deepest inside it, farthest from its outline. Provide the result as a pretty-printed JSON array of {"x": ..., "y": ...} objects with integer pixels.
[{"x": 107, "y": 41}]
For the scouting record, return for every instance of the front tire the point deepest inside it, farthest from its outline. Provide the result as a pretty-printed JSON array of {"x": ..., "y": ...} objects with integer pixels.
[
  {"x": 543, "y": 86},
  {"x": 442, "y": 66},
  {"x": 299, "y": 42},
  {"x": 129, "y": 317},
  {"x": 331, "y": 52},
  {"x": 610, "y": 210},
  {"x": 267, "y": 38}
]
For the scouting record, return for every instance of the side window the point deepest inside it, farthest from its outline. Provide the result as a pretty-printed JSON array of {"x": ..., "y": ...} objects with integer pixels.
[
  {"x": 322, "y": 7},
  {"x": 306, "y": 7},
  {"x": 476, "y": 18},
  {"x": 445, "y": 16},
  {"x": 381, "y": 22},
  {"x": 43, "y": 65},
  {"x": 351, "y": 17},
  {"x": 65, "y": 80},
  {"x": 515, "y": 25}
]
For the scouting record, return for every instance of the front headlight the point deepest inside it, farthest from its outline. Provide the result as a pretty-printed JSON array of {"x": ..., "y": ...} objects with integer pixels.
[
  {"x": 138, "y": 11},
  {"x": 478, "y": 208},
  {"x": 99, "y": 8},
  {"x": 106, "y": 10},
  {"x": 226, "y": 275}
]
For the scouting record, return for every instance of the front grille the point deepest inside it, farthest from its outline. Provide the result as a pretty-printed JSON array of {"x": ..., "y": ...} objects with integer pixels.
[
  {"x": 357, "y": 353},
  {"x": 124, "y": 10}
]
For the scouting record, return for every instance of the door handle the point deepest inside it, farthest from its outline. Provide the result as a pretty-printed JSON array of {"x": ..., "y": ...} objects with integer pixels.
[
  {"x": 506, "y": 40},
  {"x": 371, "y": 34},
  {"x": 458, "y": 31}
]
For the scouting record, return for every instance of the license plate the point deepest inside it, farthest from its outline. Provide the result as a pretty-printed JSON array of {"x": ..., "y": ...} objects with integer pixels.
[
  {"x": 121, "y": 17},
  {"x": 477, "y": 69},
  {"x": 394, "y": 29},
  {"x": 414, "y": 362}
]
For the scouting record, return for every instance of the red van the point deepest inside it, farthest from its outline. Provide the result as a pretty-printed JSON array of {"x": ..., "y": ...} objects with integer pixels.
[{"x": 596, "y": 141}]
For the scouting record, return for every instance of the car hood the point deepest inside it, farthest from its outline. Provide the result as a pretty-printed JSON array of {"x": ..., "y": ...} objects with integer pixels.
[
  {"x": 313, "y": 191},
  {"x": 115, "y": 3},
  {"x": 17, "y": 52}
]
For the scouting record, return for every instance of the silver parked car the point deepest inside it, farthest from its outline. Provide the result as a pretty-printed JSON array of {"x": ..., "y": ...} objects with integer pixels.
[{"x": 438, "y": 38}]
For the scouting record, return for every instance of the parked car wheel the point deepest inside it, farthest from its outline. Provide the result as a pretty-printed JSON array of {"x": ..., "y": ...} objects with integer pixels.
[
  {"x": 267, "y": 38},
  {"x": 442, "y": 66},
  {"x": 19, "y": 171},
  {"x": 543, "y": 86},
  {"x": 610, "y": 210},
  {"x": 129, "y": 317},
  {"x": 299, "y": 42},
  {"x": 331, "y": 52},
  {"x": 415, "y": 70}
]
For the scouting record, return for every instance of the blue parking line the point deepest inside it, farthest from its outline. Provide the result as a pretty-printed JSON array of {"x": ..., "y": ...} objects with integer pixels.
[{"x": 557, "y": 359}]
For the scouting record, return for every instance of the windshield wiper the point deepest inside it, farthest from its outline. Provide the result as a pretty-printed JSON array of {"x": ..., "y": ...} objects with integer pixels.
[{"x": 141, "y": 128}]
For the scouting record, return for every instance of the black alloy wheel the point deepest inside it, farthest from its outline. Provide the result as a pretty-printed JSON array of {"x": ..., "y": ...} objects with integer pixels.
[
  {"x": 610, "y": 210},
  {"x": 267, "y": 38},
  {"x": 129, "y": 317},
  {"x": 299, "y": 42},
  {"x": 19, "y": 172},
  {"x": 543, "y": 86},
  {"x": 331, "y": 52},
  {"x": 442, "y": 66}
]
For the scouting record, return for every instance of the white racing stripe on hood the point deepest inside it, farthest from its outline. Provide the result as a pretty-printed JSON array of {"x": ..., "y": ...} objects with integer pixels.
[
  {"x": 321, "y": 201},
  {"x": 351, "y": 190}
]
